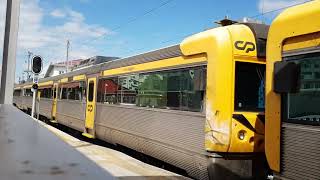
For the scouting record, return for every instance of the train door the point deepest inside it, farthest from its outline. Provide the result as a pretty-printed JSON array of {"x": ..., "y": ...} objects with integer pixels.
[
  {"x": 54, "y": 102},
  {"x": 90, "y": 107}
]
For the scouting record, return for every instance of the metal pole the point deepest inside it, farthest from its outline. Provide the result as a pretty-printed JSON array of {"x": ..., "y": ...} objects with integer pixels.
[
  {"x": 33, "y": 103},
  {"x": 9, "y": 51},
  {"x": 28, "y": 70},
  {"x": 34, "y": 96},
  {"x": 68, "y": 43},
  {"x": 37, "y": 104}
]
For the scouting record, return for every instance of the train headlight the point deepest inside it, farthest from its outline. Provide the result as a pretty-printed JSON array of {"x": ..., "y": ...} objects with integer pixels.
[{"x": 241, "y": 134}]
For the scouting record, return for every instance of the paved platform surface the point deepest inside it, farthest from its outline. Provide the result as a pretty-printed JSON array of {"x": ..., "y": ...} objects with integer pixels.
[
  {"x": 117, "y": 163},
  {"x": 29, "y": 151}
]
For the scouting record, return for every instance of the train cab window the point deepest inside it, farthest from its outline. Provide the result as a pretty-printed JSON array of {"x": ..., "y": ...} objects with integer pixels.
[
  {"x": 91, "y": 91},
  {"x": 303, "y": 106},
  {"x": 249, "y": 75}
]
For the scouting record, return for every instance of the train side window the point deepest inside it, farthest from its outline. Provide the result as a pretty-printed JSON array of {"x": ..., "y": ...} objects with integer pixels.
[
  {"x": 181, "y": 89},
  {"x": 41, "y": 92},
  {"x": 82, "y": 90},
  {"x": 127, "y": 89},
  {"x": 17, "y": 92},
  {"x": 28, "y": 92},
  {"x": 192, "y": 87},
  {"x": 64, "y": 93},
  {"x": 54, "y": 92},
  {"x": 72, "y": 91},
  {"x": 91, "y": 91},
  {"x": 152, "y": 90},
  {"x": 78, "y": 91},
  {"x": 49, "y": 93},
  {"x": 108, "y": 90},
  {"x": 46, "y": 93}
]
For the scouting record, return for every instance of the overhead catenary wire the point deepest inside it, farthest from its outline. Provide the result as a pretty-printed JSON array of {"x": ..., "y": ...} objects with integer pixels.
[
  {"x": 275, "y": 10},
  {"x": 164, "y": 3},
  {"x": 254, "y": 16},
  {"x": 145, "y": 13}
]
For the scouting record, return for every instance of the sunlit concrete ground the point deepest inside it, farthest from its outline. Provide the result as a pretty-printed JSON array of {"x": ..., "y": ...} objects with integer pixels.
[{"x": 117, "y": 163}]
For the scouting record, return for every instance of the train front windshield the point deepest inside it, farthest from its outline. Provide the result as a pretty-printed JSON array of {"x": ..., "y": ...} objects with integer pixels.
[
  {"x": 303, "y": 106},
  {"x": 249, "y": 86}
]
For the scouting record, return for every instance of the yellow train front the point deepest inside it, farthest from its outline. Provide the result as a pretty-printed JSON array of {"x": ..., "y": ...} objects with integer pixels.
[
  {"x": 292, "y": 93},
  {"x": 197, "y": 105}
]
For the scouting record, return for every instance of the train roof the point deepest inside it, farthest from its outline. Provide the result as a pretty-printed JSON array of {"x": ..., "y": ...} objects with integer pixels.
[
  {"x": 164, "y": 53},
  {"x": 259, "y": 30}
]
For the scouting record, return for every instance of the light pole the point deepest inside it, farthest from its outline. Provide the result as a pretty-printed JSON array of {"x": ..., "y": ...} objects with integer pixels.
[
  {"x": 67, "y": 57},
  {"x": 28, "y": 69},
  {"x": 36, "y": 70}
]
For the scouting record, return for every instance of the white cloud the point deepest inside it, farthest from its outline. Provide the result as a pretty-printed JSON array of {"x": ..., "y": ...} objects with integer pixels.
[
  {"x": 270, "y": 5},
  {"x": 48, "y": 39},
  {"x": 75, "y": 16},
  {"x": 57, "y": 13}
]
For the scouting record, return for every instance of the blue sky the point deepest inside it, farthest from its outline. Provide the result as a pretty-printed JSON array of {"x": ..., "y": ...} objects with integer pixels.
[{"x": 100, "y": 27}]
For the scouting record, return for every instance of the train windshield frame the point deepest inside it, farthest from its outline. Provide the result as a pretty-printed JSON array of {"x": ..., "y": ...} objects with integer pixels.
[
  {"x": 301, "y": 107},
  {"x": 252, "y": 75}
]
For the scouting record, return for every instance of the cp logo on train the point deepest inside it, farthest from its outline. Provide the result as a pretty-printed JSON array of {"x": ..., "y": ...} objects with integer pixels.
[{"x": 247, "y": 46}]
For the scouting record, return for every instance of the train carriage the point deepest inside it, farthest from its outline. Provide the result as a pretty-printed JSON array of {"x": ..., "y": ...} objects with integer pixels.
[
  {"x": 197, "y": 105},
  {"x": 292, "y": 93}
]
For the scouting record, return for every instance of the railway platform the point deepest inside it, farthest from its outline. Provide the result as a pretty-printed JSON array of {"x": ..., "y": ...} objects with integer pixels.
[
  {"x": 117, "y": 163},
  {"x": 34, "y": 150},
  {"x": 30, "y": 151}
]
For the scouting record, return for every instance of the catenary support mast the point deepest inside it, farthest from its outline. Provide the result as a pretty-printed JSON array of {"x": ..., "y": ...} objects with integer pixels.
[{"x": 9, "y": 51}]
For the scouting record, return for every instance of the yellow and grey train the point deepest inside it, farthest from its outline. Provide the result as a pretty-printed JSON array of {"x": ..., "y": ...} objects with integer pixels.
[
  {"x": 292, "y": 129},
  {"x": 198, "y": 105}
]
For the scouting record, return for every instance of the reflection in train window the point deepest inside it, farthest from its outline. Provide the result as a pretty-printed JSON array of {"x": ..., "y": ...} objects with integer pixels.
[
  {"x": 63, "y": 93},
  {"x": 17, "y": 92},
  {"x": 72, "y": 91},
  {"x": 27, "y": 92},
  {"x": 181, "y": 89},
  {"x": 127, "y": 89},
  {"x": 46, "y": 93},
  {"x": 107, "y": 90}
]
